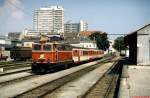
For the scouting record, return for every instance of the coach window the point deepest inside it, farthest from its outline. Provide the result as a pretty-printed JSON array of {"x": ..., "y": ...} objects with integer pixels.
[
  {"x": 37, "y": 47},
  {"x": 47, "y": 47}
]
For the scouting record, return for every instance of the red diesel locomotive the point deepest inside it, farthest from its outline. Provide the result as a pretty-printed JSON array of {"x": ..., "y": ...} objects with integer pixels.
[{"x": 48, "y": 56}]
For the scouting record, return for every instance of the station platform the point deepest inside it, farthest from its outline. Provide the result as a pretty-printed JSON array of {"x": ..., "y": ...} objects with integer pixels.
[{"x": 135, "y": 82}]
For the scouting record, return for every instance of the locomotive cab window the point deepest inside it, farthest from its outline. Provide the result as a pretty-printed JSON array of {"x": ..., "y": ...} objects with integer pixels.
[
  {"x": 68, "y": 48},
  {"x": 47, "y": 47},
  {"x": 37, "y": 47}
]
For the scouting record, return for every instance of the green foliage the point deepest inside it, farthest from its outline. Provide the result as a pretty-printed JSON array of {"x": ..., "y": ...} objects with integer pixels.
[
  {"x": 101, "y": 40},
  {"x": 119, "y": 44}
]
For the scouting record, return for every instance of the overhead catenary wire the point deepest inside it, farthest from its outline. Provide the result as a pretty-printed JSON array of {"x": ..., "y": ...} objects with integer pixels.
[{"x": 19, "y": 8}]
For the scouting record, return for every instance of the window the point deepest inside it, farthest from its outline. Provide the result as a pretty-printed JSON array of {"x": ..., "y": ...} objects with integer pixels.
[
  {"x": 47, "y": 47},
  {"x": 61, "y": 47},
  {"x": 37, "y": 47},
  {"x": 85, "y": 52}
]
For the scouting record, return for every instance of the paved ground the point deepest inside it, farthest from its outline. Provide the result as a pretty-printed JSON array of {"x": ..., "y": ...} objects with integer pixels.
[
  {"x": 14, "y": 76},
  {"x": 135, "y": 83},
  {"x": 78, "y": 87},
  {"x": 23, "y": 86}
]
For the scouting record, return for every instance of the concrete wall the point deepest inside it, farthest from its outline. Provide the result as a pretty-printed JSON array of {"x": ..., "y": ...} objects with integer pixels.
[{"x": 143, "y": 46}]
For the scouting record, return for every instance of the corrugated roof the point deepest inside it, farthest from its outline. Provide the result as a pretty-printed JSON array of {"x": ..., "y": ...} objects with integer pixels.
[{"x": 137, "y": 30}]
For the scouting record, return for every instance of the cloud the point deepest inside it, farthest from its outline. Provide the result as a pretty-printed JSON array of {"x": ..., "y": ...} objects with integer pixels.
[
  {"x": 12, "y": 8},
  {"x": 14, "y": 1},
  {"x": 17, "y": 14}
]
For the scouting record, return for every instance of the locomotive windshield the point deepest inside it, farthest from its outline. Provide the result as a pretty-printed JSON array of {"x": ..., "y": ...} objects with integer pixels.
[
  {"x": 37, "y": 47},
  {"x": 47, "y": 47}
]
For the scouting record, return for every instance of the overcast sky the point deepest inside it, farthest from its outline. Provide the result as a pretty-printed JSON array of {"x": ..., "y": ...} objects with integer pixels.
[{"x": 111, "y": 16}]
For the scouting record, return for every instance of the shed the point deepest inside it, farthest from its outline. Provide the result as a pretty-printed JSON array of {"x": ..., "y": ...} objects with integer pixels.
[{"x": 139, "y": 45}]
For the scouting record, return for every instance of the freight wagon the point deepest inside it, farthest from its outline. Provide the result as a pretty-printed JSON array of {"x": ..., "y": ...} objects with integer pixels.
[{"x": 21, "y": 53}]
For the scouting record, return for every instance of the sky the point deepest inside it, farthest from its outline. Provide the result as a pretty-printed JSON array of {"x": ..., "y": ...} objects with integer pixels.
[{"x": 111, "y": 16}]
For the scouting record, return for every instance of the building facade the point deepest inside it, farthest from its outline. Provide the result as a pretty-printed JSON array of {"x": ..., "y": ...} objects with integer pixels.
[
  {"x": 111, "y": 43},
  {"x": 33, "y": 33},
  {"x": 49, "y": 19},
  {"x": 83, "y": 25},
  {"x": 75, "y": 27},
  {"x": 139, "y": 45},
  {"x": 86, "y": 44},
  {"x": 71, "y": 27},
  {"x": 14, "y": 35}
]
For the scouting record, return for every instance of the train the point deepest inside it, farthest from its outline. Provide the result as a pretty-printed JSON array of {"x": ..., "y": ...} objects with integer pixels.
[
  {"x": 47, "y": 56},
  {"x": 20, "y": 53}
]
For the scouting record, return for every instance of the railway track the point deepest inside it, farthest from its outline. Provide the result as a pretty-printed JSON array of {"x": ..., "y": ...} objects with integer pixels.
[
  {"x": 80, "y": 86},
  {"x": 11, "y": 63},
  {"x": 16, "y": 77},
  {"x": 13, "y": 71},
  {"x": 45, "y": 89},
  {"x": 51, "y": 86},
  {"x": 106, "y": 87},
  {"x": 13, "y": 67},
  {"x": 42, "y": 83}
]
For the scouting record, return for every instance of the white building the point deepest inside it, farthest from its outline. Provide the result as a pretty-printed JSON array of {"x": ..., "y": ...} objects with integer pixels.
[
  {"x": 33, "y": 33},
  {"x": 47, "y": 20},
  {"x": 75, "y": 27},
  {"x": 83, "y": 25},
  {"x": 111, "y": 43},
  {"x": 86, "y": 44}
]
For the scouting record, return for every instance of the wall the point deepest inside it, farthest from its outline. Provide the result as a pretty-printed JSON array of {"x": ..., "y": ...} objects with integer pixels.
[
  {"x": 143, "y": 46},
  {"x": 2, "y": 41}
]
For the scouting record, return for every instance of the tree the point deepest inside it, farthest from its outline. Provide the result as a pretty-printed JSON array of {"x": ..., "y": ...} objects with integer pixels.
[
  {"x": 119, "y": 44},
  {"x": 101, "y": 40}
]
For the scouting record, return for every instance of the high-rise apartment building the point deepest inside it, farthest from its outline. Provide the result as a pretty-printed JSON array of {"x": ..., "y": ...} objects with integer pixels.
[
  {"x": 75, "y": 27},
  {"x": 71, "y": 27},
  {"x": 49, "y": 20},
  {"x": 83, "y": 25}
]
